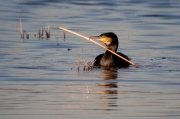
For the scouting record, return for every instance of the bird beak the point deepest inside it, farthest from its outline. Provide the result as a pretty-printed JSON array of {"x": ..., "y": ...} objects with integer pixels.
[
  {"x": 96, "y": 38},
  {"x": 99, "y": 38}
]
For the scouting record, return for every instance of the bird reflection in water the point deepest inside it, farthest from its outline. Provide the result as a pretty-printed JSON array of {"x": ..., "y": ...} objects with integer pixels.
[
  {"x": 109, "y": 74},
  {"x": 109, "y": 87}
]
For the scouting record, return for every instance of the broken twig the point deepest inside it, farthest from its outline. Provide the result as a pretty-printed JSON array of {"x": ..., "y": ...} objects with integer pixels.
[
  {"x": 23, "y": 32},
  {"x": 40, "y": 32},
  {"x": 97, "y": 44},
  {"x": 47, "y": 29},
  {"x": 20, "y": 30},
  {"x": 64, "y": 35}
]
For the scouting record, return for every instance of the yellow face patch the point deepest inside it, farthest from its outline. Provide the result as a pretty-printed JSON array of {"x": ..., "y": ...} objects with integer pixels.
[{"x": 104, "y": 39}]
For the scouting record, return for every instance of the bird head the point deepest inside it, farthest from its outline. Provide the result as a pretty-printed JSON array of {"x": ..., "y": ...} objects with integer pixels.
[{"x": 109, "y": 39}]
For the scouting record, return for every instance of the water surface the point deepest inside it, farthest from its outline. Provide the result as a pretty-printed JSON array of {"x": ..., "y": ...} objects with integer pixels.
[{"x": 40, "y": 78}]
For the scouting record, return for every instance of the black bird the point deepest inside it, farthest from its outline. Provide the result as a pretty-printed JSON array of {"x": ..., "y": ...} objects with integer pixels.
[{"x": 108, "y": 59}]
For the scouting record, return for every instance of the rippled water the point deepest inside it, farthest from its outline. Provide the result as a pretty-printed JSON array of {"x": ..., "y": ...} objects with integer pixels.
[{"x": 38, "y": 77}]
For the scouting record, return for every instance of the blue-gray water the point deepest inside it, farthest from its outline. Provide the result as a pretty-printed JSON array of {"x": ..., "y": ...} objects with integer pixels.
[{"x": 36, "y": 79}]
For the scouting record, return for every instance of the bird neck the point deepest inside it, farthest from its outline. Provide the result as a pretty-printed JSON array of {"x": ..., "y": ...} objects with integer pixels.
[
  {"x": 113, "y": 47},
  {"x": 109, "y": 54},
  {"x": 107, "y": 59}
]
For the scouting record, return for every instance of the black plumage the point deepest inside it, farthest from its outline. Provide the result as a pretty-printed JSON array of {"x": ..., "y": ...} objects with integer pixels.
[{"x": 108, "y": 59}]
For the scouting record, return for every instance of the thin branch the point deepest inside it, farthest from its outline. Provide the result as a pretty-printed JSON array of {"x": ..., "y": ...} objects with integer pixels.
[{"x": 97, "y": 44}]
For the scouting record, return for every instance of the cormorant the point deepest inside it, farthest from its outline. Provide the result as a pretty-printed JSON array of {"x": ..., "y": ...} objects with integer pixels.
[{"x": 108, "y": 59}]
